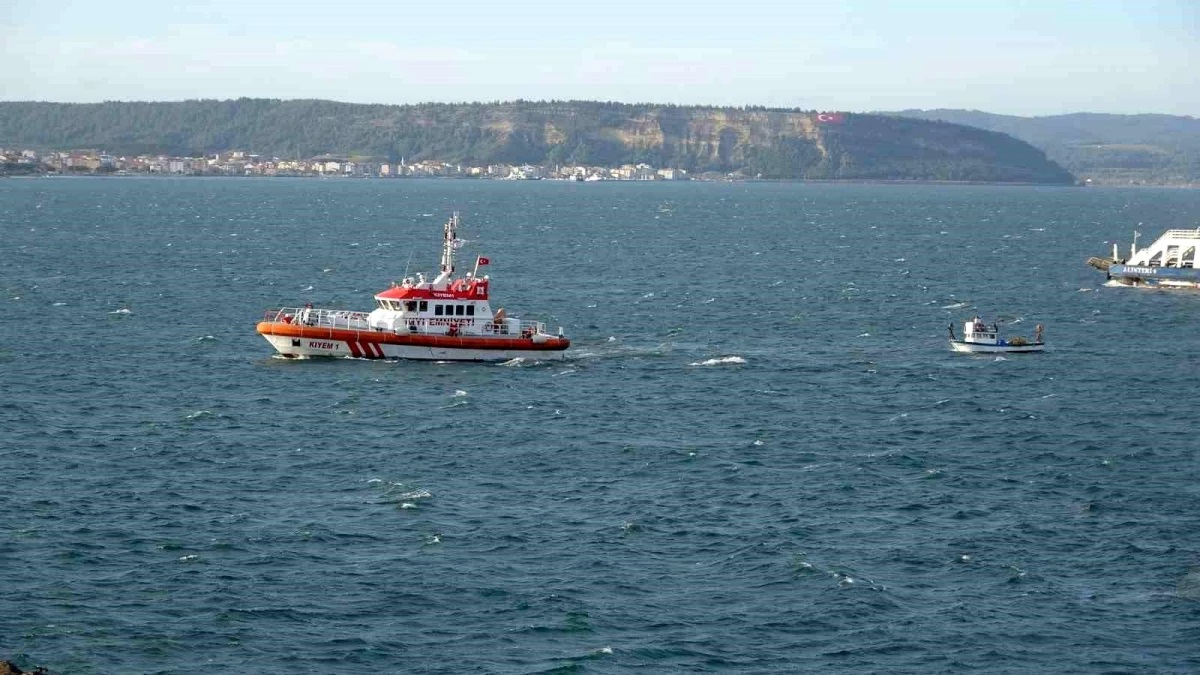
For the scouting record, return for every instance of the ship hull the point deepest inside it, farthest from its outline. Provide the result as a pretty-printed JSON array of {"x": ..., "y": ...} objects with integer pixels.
[
  {"x": 299, "y": 341},
  {"x": 975, "y": 348},
  {"x": 1136, "y": 276}
]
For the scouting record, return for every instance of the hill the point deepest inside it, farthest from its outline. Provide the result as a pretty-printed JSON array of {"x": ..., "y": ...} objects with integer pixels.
[
  {"x": 753, "y": 142},
  {"x": 1108, "y": 149}
]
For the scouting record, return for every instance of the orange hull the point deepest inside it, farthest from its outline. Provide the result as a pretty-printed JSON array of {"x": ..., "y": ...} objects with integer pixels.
[{"x": 549, "y": 344}]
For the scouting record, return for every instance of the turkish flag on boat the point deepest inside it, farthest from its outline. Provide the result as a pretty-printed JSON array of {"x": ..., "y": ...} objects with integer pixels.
[
  {"x": 481, "y": 261},
  {"x": 830, "y": 118}
]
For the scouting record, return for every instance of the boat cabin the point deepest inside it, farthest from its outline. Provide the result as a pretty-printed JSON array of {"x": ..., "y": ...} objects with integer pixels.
[
  {"x": 978, "y": 332},
  {"x": 457, "y": 307}
]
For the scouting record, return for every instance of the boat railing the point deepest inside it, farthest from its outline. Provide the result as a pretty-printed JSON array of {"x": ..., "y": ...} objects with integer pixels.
[
  {"x": 314, "y": 316},
  {"x": 1184, "y": 234},
  {"x": 514, "y": 327},
  {"x": 334, "y": 318}
]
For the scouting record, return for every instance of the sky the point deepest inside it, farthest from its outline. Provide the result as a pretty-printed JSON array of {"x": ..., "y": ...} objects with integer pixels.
[{"x": 1013, "y": 57}]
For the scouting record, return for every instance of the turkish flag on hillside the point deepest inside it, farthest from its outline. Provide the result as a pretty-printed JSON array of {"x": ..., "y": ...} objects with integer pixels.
[{"x": 830, "y": 118}]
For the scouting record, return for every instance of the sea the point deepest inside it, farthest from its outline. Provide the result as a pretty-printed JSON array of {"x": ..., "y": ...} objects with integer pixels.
[{"x": 759, "y": 455}]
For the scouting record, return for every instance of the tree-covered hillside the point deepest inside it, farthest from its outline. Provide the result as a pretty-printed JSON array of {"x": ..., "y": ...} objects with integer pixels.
[
  {"x": 754, "y": 142},
  {"x": 1116, "y": 149}
]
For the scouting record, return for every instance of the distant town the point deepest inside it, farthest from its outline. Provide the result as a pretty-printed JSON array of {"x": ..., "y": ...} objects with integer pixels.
[{"x": 241, "y": 163}]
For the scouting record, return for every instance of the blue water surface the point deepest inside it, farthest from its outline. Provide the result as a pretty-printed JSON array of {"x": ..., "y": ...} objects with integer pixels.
[{"x": 760, "y": 455}]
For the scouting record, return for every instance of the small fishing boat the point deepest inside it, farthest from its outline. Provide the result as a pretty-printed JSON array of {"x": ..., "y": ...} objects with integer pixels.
[
  {"x": 1168, "y": 263},
  {"x": 446, "y": 319},
  {"x": 980, "y": 338}
]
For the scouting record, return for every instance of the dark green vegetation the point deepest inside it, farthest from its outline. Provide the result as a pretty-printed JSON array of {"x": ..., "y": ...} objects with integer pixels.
[
  {"x": 751, "y": 142},
  {"x": 17, "y": 169},
  {"x": 1113, "y": 149}
]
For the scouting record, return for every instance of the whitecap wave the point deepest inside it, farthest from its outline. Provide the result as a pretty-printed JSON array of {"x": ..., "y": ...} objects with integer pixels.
[
  {"x": 459, "y": 392},
  {"x": 957, "y": 305},
  {"x": 122, "y": 311},
  {"x": 719, "y": 361}
]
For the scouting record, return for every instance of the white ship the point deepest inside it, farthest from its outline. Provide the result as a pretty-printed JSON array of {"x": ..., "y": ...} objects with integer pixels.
[{"x": 1168, "y": 263}]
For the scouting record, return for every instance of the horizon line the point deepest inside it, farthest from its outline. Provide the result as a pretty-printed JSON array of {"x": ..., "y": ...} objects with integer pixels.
[{"x": 753, "y": 106}]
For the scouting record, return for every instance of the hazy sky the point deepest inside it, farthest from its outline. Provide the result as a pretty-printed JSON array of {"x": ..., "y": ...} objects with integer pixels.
[{"x": 1036, "y": 57}]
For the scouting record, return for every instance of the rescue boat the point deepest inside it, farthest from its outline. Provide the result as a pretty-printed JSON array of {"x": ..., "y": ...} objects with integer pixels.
[
  {"x": 979, "y": 337},
  {"x": 447, "y": 319}
]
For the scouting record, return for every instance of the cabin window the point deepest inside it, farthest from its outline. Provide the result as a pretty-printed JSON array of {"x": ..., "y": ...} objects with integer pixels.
[
  {"x": 470, "y": 310},
  {"x": 460, "y": 310},
  {"x": 411, "y": 305},
  {"x": 424, "y": 306},
  {"x": 437, "y": 310},
  {"x": 381, "y": 304}
]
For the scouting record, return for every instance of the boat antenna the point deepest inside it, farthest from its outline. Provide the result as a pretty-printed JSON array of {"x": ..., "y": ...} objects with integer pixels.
[{"x": 406, "y": 264}]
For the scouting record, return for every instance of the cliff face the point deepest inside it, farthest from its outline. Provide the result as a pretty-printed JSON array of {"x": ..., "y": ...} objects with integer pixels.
[{"x": 753, "y": 142}]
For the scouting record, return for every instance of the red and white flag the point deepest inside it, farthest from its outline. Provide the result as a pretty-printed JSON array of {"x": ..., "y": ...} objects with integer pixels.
[
  {"x": 481, "y": 261},
  {"x": 830, "y": 118}
]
